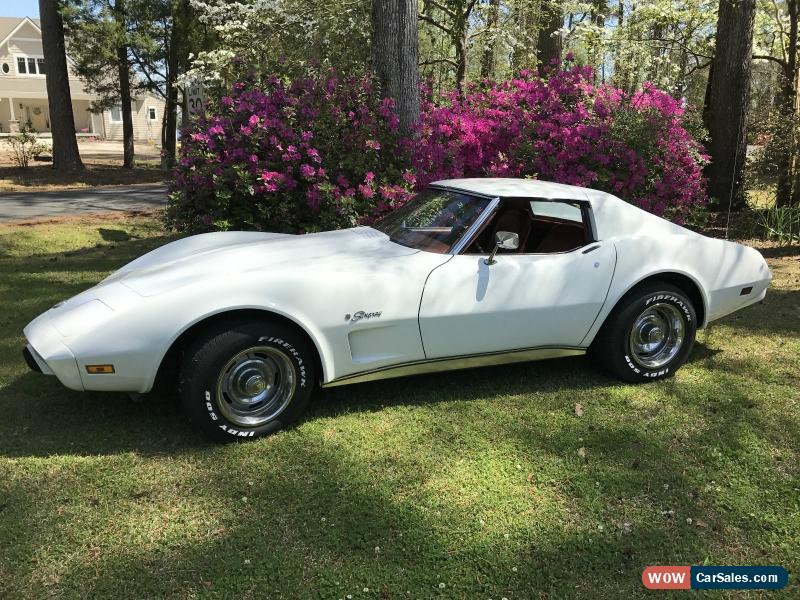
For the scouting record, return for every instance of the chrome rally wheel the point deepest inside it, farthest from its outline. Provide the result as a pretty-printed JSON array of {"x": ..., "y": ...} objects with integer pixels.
[
  {"x": 255, "y": 386},
  {"x": 656, "y": 335},
  {"x": 247, "y": 378}
]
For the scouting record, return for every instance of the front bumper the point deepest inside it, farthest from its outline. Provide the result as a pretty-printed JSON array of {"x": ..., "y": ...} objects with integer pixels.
[
  {"x": 47, "y": 354},
  {"x": 33, "y": 364}
]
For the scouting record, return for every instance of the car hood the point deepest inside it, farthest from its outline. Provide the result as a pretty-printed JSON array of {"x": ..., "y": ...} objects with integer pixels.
[{"x": 224, "y": 254}]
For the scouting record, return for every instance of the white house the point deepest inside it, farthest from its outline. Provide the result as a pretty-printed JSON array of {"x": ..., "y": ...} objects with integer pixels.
[{"x": 23, "y": 91}]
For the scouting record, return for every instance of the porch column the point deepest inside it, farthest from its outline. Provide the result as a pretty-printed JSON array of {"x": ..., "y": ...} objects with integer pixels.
[{"x": 13, "y": 124}]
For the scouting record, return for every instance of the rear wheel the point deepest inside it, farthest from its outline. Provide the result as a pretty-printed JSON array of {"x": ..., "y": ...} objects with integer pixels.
[
  {"x": 649, "y": 334},
  {"x": 246, "y": 379}
]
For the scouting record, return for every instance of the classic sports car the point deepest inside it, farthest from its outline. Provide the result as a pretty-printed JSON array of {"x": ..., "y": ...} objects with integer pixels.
[{"x": 470, "y": 272}]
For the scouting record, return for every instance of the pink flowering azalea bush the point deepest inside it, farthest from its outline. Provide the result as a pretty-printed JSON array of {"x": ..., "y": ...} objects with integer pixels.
[
  {"x": 566, "y": 129},
  {"x": 321, "y": 153},
  {"x": 318, "y": 153}
]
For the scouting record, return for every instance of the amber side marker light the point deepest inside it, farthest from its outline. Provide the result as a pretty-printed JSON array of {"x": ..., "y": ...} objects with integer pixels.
[{"x": 98, "y": 369}]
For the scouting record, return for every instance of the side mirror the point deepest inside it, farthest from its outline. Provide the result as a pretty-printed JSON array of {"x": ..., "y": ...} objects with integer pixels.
[{"x": 505, "y": 240}]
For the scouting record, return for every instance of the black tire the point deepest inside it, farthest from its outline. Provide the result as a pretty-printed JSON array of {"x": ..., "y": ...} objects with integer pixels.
[
  {"x": 230, "y": 356},
  {"x": 615, "y": 348}
]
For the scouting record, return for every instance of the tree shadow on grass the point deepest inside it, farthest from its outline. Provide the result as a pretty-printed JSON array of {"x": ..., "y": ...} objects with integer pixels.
[
  {"x": 777, "y": 314},
  {"x": 325, "y": 516},
  {"x": 780, "y": 251},
  {"x": 114, "y": 235},
  {"x": 44, "y": 418},
  {"x": 316, "y": 522}
]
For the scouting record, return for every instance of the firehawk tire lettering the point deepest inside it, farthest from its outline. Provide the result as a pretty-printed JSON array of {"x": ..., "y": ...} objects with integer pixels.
[{"x": 295, "y": 354}]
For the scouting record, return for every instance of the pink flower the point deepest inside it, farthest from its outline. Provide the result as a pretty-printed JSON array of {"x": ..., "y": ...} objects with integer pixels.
[
  {"x": 269, "y": 176},
  {"x": 313, "y": 154}
]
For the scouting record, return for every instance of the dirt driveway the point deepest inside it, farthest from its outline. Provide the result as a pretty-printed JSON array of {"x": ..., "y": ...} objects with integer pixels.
[{"x": 103, "y": 162}]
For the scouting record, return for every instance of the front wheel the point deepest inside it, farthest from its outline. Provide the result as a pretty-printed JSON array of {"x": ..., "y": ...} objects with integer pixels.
[
  {"x": 246, "y": 379},
  {"x": 649, "y": 335}
]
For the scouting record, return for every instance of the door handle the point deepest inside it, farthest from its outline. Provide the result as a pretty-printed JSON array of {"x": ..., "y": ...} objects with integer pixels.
[{"x": 591, "y": 249}]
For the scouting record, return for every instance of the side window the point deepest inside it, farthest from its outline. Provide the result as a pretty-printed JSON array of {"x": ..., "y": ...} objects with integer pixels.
[
  {"x": 558, "y": 226},
  {"x": 543, "y": 227}
]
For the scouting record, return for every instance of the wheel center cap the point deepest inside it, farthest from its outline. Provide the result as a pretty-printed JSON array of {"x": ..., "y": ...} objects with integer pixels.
[
  {"x": 254, "y": 385},
  {"x": 655, "y": 335}
]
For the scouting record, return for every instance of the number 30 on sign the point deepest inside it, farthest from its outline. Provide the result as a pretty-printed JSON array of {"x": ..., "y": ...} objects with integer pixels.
[{"x": 195, "y": 97}]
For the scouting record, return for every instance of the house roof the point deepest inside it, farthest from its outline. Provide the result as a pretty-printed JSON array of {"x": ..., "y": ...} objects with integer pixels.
[{"x": 8, "y": 25}]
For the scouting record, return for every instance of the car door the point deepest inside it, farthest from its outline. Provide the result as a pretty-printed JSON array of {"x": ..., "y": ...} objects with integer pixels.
[{"x": 521, "y": 301}]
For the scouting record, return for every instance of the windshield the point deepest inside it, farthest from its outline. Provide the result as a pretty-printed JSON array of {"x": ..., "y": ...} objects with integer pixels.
[{"x": 433, "y": 220}]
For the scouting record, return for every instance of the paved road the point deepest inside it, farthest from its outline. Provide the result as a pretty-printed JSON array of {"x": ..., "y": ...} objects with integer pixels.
[{"x": 31, "y": 205}]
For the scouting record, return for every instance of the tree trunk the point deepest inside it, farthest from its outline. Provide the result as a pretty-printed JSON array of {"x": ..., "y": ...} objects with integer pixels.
[
  {"x": 170, "y": 125},
  {"x": 596, "y": 51},
  {"x": 525, "y": 20},
  {"x": 395, "y": 56},
  {"x": 460, "y": 43},
  {"x": 123, "y": 70},
  {"x": 174, "y": 51},
  {"x": 707, "y": 98},
  {"x": 730, "y": 88},
  {"x": 549, "y": 43},
  {"x": 184, "y": 109},
  {"x": 786, "y": 103},
  {"x": 487, "y": 61},
  {"x": 656, "y": 52},
  {"x": 59, "y": 99}
]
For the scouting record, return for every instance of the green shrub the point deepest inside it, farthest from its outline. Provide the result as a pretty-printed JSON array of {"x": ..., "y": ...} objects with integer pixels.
[
  {"x": 25, "y": 146},
  {"x": 780, "y": 223}
]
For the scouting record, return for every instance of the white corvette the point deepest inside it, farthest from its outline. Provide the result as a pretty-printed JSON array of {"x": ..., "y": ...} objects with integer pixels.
[{"x": 471, "y": 272}]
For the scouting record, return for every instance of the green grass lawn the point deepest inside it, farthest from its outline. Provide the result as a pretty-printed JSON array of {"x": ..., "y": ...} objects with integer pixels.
[{"x": 478, "y": 484}]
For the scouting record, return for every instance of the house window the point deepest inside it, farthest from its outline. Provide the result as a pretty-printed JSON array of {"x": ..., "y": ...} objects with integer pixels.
[
  {"x": 151, "y": 113},
  {"x": 6, "y": 68},
  {"x": 116, "y": 114},
  {"x": 30, "y": 65}
]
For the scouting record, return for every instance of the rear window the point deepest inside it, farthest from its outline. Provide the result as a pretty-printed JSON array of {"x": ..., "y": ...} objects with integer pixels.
[{"x": 557, "y": 210}]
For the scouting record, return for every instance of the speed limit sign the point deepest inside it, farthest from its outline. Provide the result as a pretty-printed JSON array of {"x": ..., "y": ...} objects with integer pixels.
[{"x": 195, "y": 97}]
